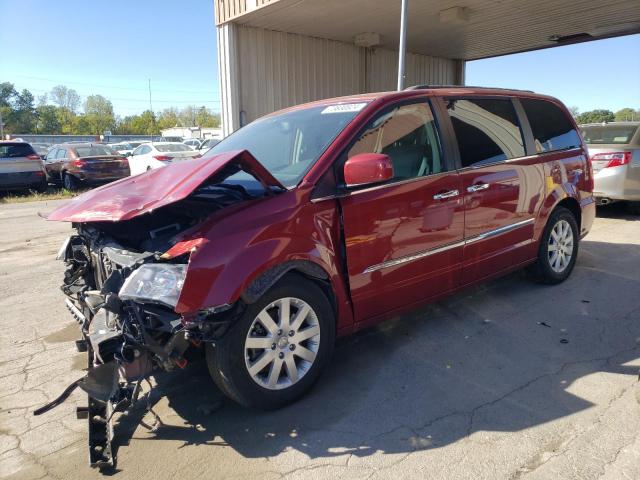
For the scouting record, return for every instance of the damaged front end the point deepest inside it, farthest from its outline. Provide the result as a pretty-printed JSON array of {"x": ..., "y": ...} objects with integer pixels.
[
  {"x": 125, "y": 271},
  {"x": 123, "y": 301}
]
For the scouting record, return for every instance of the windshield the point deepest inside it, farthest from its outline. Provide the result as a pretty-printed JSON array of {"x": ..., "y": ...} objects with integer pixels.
[
  {"x": 94, "y": 151},
  {"x": 288, "y": 144},
  {"x": 172, "y": 147},
  {"x": 608, "y": 134}
]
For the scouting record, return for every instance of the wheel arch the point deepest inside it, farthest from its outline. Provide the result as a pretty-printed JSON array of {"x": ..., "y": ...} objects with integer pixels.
[
  {"x": 305, "y": 268},
  {"x": 573, "y": 206}
]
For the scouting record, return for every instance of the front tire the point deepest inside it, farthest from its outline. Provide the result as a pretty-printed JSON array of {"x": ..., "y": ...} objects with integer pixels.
[
  {"x": 558, "y": 248},
  {"x": 276, "y": 350}
]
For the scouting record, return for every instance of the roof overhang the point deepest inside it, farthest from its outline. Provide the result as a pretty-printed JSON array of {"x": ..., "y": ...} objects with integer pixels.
[{"x": 467, "y": 29}]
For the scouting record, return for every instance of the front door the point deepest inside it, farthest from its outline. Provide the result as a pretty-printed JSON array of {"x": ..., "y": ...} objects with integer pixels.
[
  {"x": 502, "y": 190},
  {"x": 403, "y": 238}
]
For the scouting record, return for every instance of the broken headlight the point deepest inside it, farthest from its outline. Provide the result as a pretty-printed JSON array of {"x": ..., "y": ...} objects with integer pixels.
[{"x": 153, "y": 282}]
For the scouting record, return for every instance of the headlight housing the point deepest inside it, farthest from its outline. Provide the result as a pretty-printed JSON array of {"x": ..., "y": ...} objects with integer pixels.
[{"x": 155, "y": 282}]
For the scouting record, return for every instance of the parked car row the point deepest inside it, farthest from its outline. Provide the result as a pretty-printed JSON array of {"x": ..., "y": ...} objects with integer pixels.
[
  {"x": 25, "y": 165},
  {"x": 614, "y": 150}
]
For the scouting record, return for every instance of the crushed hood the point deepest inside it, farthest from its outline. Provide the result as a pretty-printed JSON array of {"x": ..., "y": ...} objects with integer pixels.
[{"x": 133, "y": 196}]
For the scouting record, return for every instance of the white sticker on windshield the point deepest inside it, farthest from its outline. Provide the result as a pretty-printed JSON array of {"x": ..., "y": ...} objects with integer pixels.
[{"x": 345, "y": 107}]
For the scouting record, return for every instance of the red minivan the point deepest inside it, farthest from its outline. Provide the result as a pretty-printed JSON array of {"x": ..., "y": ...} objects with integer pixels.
[{"x": 314, "y": 222}]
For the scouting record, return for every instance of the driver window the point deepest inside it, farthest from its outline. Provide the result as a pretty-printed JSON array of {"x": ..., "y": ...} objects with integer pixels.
[{"x": 408, "y": 135}]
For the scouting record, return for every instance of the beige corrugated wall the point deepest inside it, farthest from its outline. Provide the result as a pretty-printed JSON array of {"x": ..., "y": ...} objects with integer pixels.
[{"x": 276, "y": 70}]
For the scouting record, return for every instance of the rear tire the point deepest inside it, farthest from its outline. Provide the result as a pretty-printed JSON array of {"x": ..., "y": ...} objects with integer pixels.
[
  {"x": 69, "y": 182},
  {"x": 288, "y": 356},
  {"x": 558, "y": 248}
]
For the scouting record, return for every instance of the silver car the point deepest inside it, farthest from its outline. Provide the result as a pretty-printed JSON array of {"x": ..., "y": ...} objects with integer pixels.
[
  {"x": 614, "y": 149},
  {"x": 21, "y": 167}
]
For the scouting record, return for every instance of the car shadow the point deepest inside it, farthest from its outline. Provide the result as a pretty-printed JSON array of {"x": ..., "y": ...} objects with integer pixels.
[
  {"x": 618, "y": 211},
  {"x": 498, "y": 357}
]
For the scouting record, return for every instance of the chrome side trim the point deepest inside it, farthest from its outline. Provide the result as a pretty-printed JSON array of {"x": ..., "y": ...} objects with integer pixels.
[
  {"x": 499, "y": 231},
  {"x": 444, "y": 248},
  {"x": 411, "y": 258}
]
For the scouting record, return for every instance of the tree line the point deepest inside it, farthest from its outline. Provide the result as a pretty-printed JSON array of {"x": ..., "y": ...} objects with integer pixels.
[
  {"x": 601, "y": 115},
  {"x": 62, "y": 111}
]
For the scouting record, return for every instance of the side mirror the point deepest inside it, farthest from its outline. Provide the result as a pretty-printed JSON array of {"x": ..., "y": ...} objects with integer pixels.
[{"x": 367, "y": 169}]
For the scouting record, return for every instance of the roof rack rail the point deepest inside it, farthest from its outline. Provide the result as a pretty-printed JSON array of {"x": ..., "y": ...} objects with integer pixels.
[{"x": 427, "y": 86}]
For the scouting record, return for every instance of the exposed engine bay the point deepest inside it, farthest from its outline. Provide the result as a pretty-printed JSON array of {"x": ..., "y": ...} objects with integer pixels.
[{"x": 122, "y": 290}]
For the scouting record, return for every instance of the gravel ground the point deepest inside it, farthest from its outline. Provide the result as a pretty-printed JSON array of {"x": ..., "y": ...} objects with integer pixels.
[{"x": 507, "y": 380}]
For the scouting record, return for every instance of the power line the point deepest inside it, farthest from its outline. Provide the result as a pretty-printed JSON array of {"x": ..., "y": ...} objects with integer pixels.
[{"x": 51, "y": 80}]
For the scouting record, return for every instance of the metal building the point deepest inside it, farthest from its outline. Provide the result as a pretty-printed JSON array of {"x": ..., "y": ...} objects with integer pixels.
[{"x": 277, "y": 53}]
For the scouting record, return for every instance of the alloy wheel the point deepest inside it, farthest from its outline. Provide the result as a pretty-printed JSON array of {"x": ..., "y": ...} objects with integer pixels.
[
  {"x": 560, "y": 247},
  {"x": 282, "y": 343}
]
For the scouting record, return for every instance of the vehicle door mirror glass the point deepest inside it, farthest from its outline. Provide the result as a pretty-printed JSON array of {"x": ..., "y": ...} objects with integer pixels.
[{"x": 367, "y": 169}]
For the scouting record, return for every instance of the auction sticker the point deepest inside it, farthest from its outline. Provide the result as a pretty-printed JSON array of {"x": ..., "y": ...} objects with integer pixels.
[{"x": 345, "y": 107}]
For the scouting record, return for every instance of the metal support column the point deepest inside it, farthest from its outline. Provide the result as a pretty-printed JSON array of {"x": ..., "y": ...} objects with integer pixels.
[{"x": 403, "y": 44}]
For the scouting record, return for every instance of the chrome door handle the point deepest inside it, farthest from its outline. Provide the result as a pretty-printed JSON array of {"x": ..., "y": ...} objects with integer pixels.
[
  {"x": 449, "y": 194},
  {"x": 477, "y": 187}
]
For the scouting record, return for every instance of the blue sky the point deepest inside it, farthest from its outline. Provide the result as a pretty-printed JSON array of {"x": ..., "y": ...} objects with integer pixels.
[
  {"x": 600, "y": 74},
  {"x": 112, "y": 48}
]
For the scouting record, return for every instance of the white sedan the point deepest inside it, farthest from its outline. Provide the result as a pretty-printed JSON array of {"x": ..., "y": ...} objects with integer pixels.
[{"x": 158, "y": 154}]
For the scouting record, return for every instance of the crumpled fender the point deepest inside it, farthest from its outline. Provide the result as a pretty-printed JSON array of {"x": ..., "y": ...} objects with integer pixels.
[{"x": 224, "y": 266}]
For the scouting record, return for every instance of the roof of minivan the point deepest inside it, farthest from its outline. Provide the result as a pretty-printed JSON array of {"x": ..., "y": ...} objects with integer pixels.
[{"x": 419, "y": 90}]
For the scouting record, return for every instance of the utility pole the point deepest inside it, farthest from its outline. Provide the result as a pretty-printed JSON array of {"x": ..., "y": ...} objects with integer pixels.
[
  {"x": 153, "y": 117},
  {"x": 403, "y": 44},
  {"x": 150, "y": 106}
]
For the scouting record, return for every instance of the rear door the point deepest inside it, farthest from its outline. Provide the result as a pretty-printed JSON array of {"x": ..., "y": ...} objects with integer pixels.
[
  {"x": 502, "y": 189},
  {"x": 403, "y": 238}
]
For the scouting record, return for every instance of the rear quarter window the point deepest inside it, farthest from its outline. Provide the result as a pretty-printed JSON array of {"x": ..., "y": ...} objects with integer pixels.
[
  {"x": 16, "y": 150},
  {"x": 551, "y": 128}
]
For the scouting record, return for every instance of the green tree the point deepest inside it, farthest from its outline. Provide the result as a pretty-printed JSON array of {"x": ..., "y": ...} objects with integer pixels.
[
  {"x": 98, "y": 113},
  {"x": 574, "y": 111},
  {"x": 82, "y": 126},
  {"x": 168, "y": 118},
  {"x": 67, "y": 120},
  {"x": 627, "y": 114},
  {"x": 7, "y": 94},
  {"x": 596, "y": 116},
  {"x": 23, "y": 115},
  {"x": 48, "y": 121},
  {"x": 204, "y": 118},
  {"x": 145, "y": 124}
]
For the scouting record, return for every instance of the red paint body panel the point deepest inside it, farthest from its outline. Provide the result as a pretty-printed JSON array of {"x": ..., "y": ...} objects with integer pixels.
[
  {"x": 368, "y": 168},
  {"x": 133, "y": 196},
  {"x": 514, "y": 195},
  {"x": 391, "y": 223}
]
